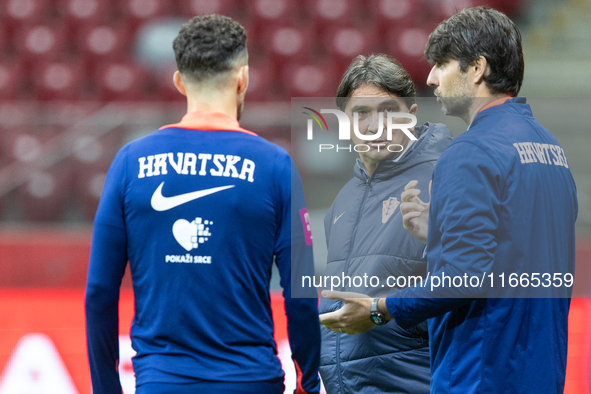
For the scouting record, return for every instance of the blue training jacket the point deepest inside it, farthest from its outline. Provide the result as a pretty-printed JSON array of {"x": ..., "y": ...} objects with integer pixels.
[
  {"x": 200, "y": 209},
  {"x": 503, "y": 199}
]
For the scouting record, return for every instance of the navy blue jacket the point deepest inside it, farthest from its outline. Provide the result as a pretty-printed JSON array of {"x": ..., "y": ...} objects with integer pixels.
[
  {"x": 365, "y": 236},
  {"x": 503, "y": 200}
]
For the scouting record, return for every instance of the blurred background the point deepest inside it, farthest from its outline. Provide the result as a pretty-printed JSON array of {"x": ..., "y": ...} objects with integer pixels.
[{"x": 80, "y": 78}]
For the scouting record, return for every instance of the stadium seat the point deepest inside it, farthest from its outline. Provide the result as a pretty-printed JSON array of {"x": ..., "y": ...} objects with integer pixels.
[
  {"x": 288, "y": 43},
  {"x": 332, "y": 11},
  {"x": 310, "y": 80},
  {"x": 90, "y": 163},
  {"x": 45, "y": 195},
  {"x": 346, "y": 42},
  {"x": 165, "y": 87},
  {"x": 261, "y": 80},
  {"x": 80, "y": 13},
  {"x": 121, "y": 81},
  {"x": 279, "y": 12},
  {"x": 39, "y": 43},
  {"x": 449, "y": 7},
  {"x": 401, "y": 14},
  {"x": 11, "y": 77},
  {"x": 25, "y": 144},
  {"x": 407, "y": 47},
  {"x": 104, "y": 43},
  {"x": 25, "y": 11},
  {"x": 190, "y": 8},
  {"x": 137, "y": 12},
  {"x": 59, "y": 81}
]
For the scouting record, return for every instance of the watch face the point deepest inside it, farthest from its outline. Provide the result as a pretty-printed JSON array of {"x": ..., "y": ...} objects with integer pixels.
[{"x": 378, "y": 319}]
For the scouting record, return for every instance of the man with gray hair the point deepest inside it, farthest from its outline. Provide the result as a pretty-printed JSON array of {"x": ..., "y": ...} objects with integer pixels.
[{"x": 397, "y": 358}]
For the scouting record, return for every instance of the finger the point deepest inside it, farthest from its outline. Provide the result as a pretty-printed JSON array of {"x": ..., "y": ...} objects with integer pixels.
[
  {"x": 341, "y": 295},
  {"x": 410, "y": 195},
  {"x": 411, "y": 185},
  {"x": 407, "y": 207},
  {"x": 410, "y": 215},
  {"x": 329, "y": 318},
  {"x": 430, "y": 184}
]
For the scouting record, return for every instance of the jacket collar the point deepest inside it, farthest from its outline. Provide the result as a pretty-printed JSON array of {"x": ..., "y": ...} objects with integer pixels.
[
  {"x": 514, "y": 105},
  {"x": 208, "y": 121}
]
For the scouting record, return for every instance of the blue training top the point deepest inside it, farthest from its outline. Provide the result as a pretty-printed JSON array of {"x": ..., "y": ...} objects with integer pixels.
[
  {"x": 503, "y": 200},
  {"x": 200, "y": 210}
]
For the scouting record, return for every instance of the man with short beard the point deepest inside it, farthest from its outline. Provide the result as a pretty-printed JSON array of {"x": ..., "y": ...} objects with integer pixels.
[{"x": 503, "y": 202}]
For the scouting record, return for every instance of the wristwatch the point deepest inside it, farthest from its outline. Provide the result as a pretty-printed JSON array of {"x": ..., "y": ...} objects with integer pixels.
[{"x": 377, "y": 317}]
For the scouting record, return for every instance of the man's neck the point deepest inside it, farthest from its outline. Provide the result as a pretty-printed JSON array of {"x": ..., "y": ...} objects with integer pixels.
[
  {"x": 221, "y": 101},
  {"x": 482, "y": 103}
]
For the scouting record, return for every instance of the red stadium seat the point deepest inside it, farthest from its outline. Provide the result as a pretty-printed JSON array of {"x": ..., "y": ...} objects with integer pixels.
[
  {"x": 288, "y": 43},
  {"x": 166, "y": 89},
  {"x": 59, "y": 81},
  {"x": 333, "y": 11},
  {"x": 190, "y": 8},
  {"x": 91, "y": 194},
  {"x": 11, "y": 78},
  {"x": 25, "y": 11},
  {"x": 345, "y": 43},
  {"x": 25, "y": 144},
  {"x": 279, "y": 12},
  {"x": 38, "y": 43},
  {"x": 510, "y": 7},
  {"x": 449, "y": 7},
  {"x": 137, "y": 12},
  {"x": 104, "y": 43},
  {"x": 79, "y": 13},
  {"x": 261, "y": 81},
  {"x": 407, "y": 47},
  {"x": 401, "y": 14},
  {"x": 121, "y": 81},
  {"x": 90, "y": 163},
  {"x": 310, "y": 80},
  {"x": 44, "y": 197}
]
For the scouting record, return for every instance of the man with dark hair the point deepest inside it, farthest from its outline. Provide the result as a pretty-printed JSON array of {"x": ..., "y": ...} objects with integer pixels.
[
  {"x": 390, "y": 358},
  {"x": 503, "y": 202},
  {"x": 201, "y": 209}
]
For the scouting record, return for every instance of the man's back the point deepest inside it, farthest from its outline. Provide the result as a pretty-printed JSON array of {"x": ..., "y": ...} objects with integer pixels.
[{"x": 204, "y": 207}]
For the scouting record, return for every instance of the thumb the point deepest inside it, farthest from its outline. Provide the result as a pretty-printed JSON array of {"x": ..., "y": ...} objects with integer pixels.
[{"x": 430, "y": 184}]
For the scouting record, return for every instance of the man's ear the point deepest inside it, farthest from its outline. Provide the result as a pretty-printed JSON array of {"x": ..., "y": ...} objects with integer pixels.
[
  {"x": 480, "y": 69},
  {"x": 413, "y": 109},
  {"x": 178, "y": 83},
  {"x": 242, "y": 80}
]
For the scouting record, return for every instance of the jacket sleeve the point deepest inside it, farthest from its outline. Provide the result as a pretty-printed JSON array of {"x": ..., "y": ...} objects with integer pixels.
[
  {"x": 108, "y": 259},
  {"x": 464, "y": 209},
  {"x": 293, "y": 253}
]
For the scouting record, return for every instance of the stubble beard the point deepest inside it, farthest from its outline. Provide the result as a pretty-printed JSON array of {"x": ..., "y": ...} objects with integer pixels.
[{"x": 459, "y": 103}]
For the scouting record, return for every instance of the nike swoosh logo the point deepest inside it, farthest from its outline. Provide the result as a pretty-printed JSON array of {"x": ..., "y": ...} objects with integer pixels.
[
  {"x": 161, "y": 203},
  {"x": 338, "y": 217}
]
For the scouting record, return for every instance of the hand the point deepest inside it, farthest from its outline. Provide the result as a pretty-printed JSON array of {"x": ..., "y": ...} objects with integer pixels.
[
  {"x": 353, "y": 317},
  {"x": 415, "y": 213}
]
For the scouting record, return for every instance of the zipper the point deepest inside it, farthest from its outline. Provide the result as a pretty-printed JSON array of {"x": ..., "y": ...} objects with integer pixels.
[{"x": 367, "y": 185}]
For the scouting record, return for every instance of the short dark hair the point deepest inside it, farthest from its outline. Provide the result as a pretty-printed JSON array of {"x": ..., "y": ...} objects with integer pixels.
[
  {"x": 481, "y": 31},
  {"x": 380, "y": 71},
  {"x": 208, "y": 45}
]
